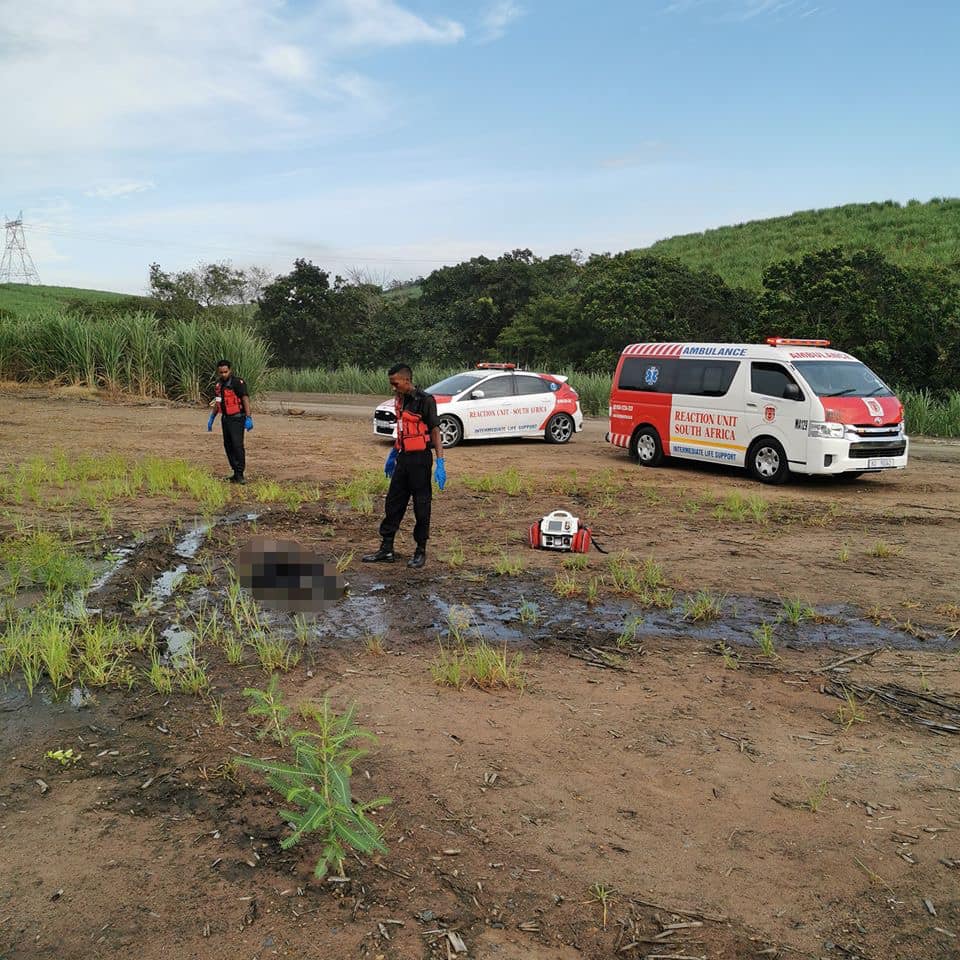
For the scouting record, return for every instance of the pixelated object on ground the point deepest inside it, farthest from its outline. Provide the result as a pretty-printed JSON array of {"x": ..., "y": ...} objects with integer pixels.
[{"x": 283, "y": 575}]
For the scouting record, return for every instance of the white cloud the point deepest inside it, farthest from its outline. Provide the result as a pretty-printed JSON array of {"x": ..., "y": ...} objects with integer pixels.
[
  {"x": 109, "y": 75},
  {"x": 119, "y": 188},
  {"x": 383, "y": 23},
  {"x": 499, "y": 16},
  {"x": 742, "y": 10}
]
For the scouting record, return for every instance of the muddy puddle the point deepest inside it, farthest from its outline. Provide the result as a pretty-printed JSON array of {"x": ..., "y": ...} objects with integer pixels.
[
  {"x": 523, "y": 611},
  {"x": 520, "y": 611}
]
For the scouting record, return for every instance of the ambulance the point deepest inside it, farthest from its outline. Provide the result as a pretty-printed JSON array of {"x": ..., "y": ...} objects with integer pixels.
[{"x": 787, "y": 406}]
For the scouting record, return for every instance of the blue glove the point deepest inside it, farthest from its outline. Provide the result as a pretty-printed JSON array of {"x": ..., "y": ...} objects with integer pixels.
[
  {"x": 248, "y": 423},
  {"x": 213, "y": 416},
  {"x": 440, "y": 474},
  {"x": 391, "y": 463}
]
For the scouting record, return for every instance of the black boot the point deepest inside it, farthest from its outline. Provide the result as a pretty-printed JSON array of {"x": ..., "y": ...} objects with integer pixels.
[
  {"x": 383, "y": 555},
  {"x": 238, "y": 478},
  {"x": 418, "y": 559}
]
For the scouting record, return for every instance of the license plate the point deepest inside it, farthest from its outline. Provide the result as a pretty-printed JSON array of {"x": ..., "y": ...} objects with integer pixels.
[{"x": 880, "y": 462}]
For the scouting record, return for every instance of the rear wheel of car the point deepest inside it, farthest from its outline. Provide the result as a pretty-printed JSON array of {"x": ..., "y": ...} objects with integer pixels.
[
  {"x": 451, "y": 431},
  {"x": 767, "y": 461},
  {"x": 647, "y": 448},
  {"x": 559, "y": 428}
]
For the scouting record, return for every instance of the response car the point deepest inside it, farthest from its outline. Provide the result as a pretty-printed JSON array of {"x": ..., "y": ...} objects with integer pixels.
[{"x": 497, "y": 400}]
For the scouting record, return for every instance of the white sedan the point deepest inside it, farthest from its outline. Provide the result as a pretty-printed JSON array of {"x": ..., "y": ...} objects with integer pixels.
[{"x": 497, "y": 400}]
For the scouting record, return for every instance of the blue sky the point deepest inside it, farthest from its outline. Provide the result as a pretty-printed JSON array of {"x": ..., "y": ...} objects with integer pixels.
[{"x": 392, "y": 136}]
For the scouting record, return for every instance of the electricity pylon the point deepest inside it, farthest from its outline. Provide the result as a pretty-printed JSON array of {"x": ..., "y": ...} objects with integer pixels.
[{"x": 17, "y": 265}]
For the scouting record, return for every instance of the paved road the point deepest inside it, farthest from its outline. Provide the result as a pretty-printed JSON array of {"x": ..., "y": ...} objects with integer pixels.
[{"x": 353, "y": 407}]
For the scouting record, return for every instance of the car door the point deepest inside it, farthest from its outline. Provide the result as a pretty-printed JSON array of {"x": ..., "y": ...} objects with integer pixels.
[
  {"x": 489, "y": 408},
  {"x": 776, "y": 406},
  {"x": 536, "y": 400}
]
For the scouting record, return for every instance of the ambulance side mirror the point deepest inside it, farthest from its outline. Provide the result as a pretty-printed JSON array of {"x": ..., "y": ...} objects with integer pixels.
[
  {"x": 792, "y": 392},
  {"x": 477, "y": 395}
]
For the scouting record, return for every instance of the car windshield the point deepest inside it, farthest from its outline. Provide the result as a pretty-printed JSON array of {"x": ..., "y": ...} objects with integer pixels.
[
  {"x": 842, "y": 378},
  {"x": 457, "y": 383}
]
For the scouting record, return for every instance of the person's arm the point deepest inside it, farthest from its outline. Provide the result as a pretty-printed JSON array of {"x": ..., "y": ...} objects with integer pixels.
[
  {"x": 437, "y": 443},
  {"x": 246, "y": 404}
]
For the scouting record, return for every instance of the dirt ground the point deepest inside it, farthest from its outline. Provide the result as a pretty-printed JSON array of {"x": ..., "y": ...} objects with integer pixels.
[{"x": 714, "y": 793}]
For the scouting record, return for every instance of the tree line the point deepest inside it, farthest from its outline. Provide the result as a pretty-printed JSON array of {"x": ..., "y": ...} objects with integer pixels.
[{"x": 573, "y": 312}]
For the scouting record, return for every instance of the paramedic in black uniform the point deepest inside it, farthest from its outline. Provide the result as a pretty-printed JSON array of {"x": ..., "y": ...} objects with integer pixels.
[
  {"x": 232, "y": 401},
  {"x": 409, "y": 465}
]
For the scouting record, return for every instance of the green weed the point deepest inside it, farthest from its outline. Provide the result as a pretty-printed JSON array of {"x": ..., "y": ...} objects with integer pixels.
[
  {"x": 795, "y": 611},
  {"x": 480, "y": 665},
  {"x": 703, "y": 607},
  {"x": 315, "y": 783}
]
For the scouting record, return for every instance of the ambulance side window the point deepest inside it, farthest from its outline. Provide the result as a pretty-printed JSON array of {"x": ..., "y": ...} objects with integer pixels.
[
  {"x": 770, "y": 379},
  {"x": 705, "y": 378},
  {"x": 649, "y": 374}
]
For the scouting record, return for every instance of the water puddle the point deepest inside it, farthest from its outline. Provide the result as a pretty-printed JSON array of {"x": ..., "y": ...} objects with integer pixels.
[
  {"x": 188, "y": 545},
  {"x": 179, "y": 645}
]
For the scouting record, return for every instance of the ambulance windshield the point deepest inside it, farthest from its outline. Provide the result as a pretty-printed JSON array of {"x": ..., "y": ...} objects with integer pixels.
[{"x": 842, "y": 378}]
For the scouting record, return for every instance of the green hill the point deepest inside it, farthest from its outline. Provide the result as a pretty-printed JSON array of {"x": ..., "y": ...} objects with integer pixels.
[
  {"x": 22, "y": 299},
  {"x": 914, "y": 234}
]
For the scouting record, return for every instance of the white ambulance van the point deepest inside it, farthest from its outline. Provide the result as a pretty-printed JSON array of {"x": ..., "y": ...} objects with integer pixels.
[{"x": 790, "y": 406}]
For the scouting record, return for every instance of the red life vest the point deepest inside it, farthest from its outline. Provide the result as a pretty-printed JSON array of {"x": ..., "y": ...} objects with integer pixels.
[
  {"x": 413, "y": 436},
  {"x": 229, "y": 403}
]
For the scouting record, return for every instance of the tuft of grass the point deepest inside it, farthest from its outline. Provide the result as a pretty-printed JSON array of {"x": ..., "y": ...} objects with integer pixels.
[
  {"x": 883, "y": 551},
  {"x": 593, "y": 590},
  {"x": 456, "y": 556},
  {"x": 216, "y": 709},
  {"x": 627, "y": 640},
  {"x": 795, "y": 611},
  {"x": 358, "y": 492},
  {"x": 844, "y": 554},
  {"x": 373, "y": 644},
  {"x": 273, "y": 652},
  {"x": 343, "y": 560},
  {"x": 737, "y": 507},
  {"x": 40, "y": 558},
  {"x": 510, "y": 482},
  {"x": 575, "y": 561},
  {"x": 480, "y": 665},
  {"x": 815, "y": 800},
  {"x": 565, "y": 584},
  {"x": 764, "y": 637},
  {"x": 159, "y": 675},
  {"x": 703, "y": 607},
  {"x": 191, "y": 676},
  {"x": 529, "y": 612},
  {"x": 850, "y": 711},
  {"x": 508, "y": 566}
]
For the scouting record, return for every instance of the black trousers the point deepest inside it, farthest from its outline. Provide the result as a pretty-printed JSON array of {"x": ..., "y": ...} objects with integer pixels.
[
  {"x": 233, "y": 442},
  {"x": 411, "y": 478}
]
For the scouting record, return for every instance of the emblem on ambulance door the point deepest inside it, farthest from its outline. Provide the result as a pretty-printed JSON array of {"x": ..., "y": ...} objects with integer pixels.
[
  {"x": 873, "y": 407},
  {"x": 651, "y": 376},
  {"x": 770, "y": 414}
]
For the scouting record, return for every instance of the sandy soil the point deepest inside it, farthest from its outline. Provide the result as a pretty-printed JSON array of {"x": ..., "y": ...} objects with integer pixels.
[{"x": 729, "y": 801}]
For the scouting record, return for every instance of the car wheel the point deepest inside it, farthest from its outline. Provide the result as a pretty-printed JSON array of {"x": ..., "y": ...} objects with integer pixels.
[
  {"x": 767, "y": 461},
  {"x": 559, "y": 428},
  {"x": 451, "y": 432},
  {"x": 647, "y": 448}
]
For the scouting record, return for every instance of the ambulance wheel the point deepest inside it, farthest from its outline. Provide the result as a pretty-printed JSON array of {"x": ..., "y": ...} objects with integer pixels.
[
  {"x": 767, "y": 461},
  {"x": 647, "y": 448},
  {"x": 559, "y": 428},
  {"x": 451, "y": 432}
]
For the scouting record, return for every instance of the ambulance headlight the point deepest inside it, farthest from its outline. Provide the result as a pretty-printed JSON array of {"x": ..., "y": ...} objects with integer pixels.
[{"x": 834, "y": 431}]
